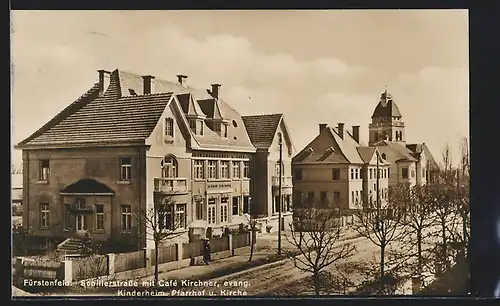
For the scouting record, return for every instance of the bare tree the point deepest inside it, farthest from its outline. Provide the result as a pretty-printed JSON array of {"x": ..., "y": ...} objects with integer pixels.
[
  {"x": 314, "y": 234},
  {"x": 251, "y": 223},
  {"x": 418, "y": 222},
  {"x": 161, "y": 223},
  {"x": 382, "y": 225}
]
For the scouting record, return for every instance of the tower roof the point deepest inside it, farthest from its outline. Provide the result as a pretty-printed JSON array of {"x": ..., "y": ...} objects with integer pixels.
[{"x": 386, "y": 108}]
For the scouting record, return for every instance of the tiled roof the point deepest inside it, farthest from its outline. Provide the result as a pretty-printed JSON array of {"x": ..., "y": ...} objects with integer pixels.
[
  {"x": 387, "y": 111},
  {"x": 418, "y": 148},
  {"x": 347, "y": 146},
  {"x": 87, "y": 186},
  {"x": 366, "y": 153},
  {"x": 262, "y": 128},
  {"x": 400, "y": 150}
]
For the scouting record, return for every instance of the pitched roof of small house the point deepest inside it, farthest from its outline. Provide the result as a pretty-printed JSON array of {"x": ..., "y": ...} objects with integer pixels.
[
  {"x": 87, "y": 186},
  {"x": 262, "y": 128}
]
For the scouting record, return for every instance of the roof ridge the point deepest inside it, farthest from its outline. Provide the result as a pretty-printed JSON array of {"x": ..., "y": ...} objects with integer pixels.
[
  {"x": 65, "y": 113},
  {"x": 148, "y": 95},
  {"x": 260, "y": 115}
]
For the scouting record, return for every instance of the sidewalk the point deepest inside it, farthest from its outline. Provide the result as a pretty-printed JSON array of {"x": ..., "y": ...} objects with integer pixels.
[{"x": 265, "y": 252}]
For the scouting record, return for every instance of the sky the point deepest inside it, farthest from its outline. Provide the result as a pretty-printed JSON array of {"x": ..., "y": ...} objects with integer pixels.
[{"x": 313, "y": 66}]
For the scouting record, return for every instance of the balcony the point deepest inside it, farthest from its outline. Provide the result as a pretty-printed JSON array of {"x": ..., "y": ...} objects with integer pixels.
[
  {"x": 171, "y": 185},
  {"x": 286, "y": 181}
]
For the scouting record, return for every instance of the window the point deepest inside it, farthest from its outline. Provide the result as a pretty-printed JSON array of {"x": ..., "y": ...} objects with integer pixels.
[
  {"x": 336, "y": 198},
  {"x": 335, "y": 174},
  {"x": 357, "y": 196},
  {"x": 297, "y": 173},
  {"x": 423, "y": 172},
  {"x": 323, "y": 197},
  {"x": 169, "y": 167},
  {"x": 236, "y": 206},
  {"x": 80, "y": 203},
  {"x": 199, "y": 210},
  {"x": 180, "y": 216},
  {"x": 211, "y": 211},
  {"x": 353, "y": 200},
  {"x": 412, "y": 173},
  {"x": 99, "y": 217},
  {"x": 199, "y": 169},
  {"x": 212, "y": 169},
  {"x": 169, "y": 127},
  {"x": 44, "y": 215},
  {"x": 404, "y": 172},
  {"x": 236, "y": 169},
  {"x": 225, "y": 131},
  {"x": 217, "y": 127},
  {"x": 44, "y": 170},
  {"x": 126, "y": 217},
  {"x": 202, "y": 128},
  {"x": 371, "y": 173},
  {"x": 310, "y": 196},
  {"x": 357, "y": 173},
  {"x": 192, "y": 125},
  {"x": 352, "y": 174},
  {"x": 375, "y": 187},
  {"x": 223, "y": 208},
  {"x": 224, "y": 169},
  {"x": 125, "y": 168},
  {"x": 246, "y": 169}
]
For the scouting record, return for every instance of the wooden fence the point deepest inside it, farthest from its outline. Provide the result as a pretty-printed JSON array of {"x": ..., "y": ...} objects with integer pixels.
[{"x": 75, "y": 269}]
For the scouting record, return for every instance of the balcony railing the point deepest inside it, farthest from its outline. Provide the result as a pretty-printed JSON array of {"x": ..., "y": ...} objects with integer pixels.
[
  {"x": 171, "y": 185},
  {"x": 286, "y": 181}
]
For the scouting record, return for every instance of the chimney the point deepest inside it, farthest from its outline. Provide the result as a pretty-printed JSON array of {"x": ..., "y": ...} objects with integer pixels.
[
  {"x": 340, "y": 130},
  {"x": 322, "y": 126},
  {"x": 215, "y": 90},
  {"x": 355, "y": 133},
  {"x": 148, "y": 87},
  {"x": 104, "y": 79},
  {"x": 181, "y": 79}
]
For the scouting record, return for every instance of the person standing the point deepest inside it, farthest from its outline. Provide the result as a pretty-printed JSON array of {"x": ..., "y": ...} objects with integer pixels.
[{"x": 206, "y": 251}]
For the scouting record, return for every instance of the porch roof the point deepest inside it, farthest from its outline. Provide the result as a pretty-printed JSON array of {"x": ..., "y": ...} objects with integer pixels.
[{"x": 87, "y": 187}]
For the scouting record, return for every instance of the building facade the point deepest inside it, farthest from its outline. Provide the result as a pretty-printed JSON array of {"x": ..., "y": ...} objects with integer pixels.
[
  {"x": 411, "y": 164},
  {"x": 267, "y": 132},
  {"x": 131, "y": 139},
  {"x": 336, "y": 170}
]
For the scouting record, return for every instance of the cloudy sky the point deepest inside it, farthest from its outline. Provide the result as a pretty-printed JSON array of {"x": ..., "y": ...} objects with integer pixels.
[{"x": 313, "y": 66}]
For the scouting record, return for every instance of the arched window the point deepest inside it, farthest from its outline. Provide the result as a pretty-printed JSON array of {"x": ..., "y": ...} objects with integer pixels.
[{"x": 169, "y": 167}]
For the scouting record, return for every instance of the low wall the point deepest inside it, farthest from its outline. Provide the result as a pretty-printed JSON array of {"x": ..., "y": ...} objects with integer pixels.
[{"x": 128, "y": 265}]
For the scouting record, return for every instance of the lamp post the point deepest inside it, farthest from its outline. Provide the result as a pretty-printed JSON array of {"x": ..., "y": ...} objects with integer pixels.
[{"x": 279, "y": 192}]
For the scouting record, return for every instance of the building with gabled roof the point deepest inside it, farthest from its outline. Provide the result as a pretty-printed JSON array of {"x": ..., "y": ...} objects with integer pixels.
[
  {"x": 335, "y": 169},
  {"x": 410, "y": 163},
  {"x": 265, "y": 132},
  {"x": 102, "y": 161}
]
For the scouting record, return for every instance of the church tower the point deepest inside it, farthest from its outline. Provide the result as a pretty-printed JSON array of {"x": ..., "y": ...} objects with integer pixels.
[{"x": 387, "y": 123}]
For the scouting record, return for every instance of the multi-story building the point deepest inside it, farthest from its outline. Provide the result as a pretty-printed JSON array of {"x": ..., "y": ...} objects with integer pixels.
[
  {"x": 265, "y": 132},
  {"x": 410, "y": 163},
  {"x": 102, "y": 161},
  {"x": 335, "y": 169}
]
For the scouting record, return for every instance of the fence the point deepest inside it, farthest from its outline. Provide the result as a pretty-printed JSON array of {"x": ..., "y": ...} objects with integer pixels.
[
  {"x": 102, "y": 265},
  {"x": 165, "y": 254},
  {"x": 129, "y": 261},
  {"x": 192, "y": 249}
]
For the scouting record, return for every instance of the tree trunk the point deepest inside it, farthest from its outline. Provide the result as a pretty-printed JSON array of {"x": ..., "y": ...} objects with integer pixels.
[
  {"x": 419, "y": 252},
  {"x": 382, "y": 267},
  {"x": 444, "y": 247},
  {"x": 252, "y": 244},
  {"x": 156, "y": 264},
  {"x": 317, "y": 285}
]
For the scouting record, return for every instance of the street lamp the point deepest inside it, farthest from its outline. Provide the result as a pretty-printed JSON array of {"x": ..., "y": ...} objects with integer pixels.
[{"x": 279, "y": 192}]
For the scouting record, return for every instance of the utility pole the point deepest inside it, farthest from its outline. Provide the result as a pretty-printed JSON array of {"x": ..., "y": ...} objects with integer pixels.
[{"x": 279, "y": 192}]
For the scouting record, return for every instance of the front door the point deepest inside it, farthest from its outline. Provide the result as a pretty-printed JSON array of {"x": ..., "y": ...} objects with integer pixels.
[{"x": 81, "y": 223}]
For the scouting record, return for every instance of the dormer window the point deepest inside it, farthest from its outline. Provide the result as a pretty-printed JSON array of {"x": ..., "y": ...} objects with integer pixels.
[
  {"x": 169, "y": 127},
  {"x": 225, "y": 131},
  {"x": 192, "y": 125}
]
